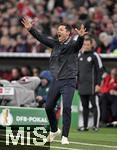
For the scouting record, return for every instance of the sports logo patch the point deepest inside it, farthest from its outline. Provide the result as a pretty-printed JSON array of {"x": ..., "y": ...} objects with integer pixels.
[
  {"x": 89, "y": 59},
  {"x": 81, "y": 59}
]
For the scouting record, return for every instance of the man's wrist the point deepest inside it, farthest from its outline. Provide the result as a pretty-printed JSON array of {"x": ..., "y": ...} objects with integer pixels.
[
  {"x": 29, "y": 29},
  {"x": 81, "y": 35}
]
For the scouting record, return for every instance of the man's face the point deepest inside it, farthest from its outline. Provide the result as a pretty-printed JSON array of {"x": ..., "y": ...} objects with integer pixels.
[
  {"x": 87, "y": 45},
  {"x": 114, "y": 73},
  {"x": 44, "y": 82},
  {"x": 15, "y": 73},
  {"x": 63, "y": 33}
]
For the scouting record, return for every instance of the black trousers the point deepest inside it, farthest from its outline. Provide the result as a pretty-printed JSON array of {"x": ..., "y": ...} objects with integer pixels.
[
  {"x": 108, "y": 104},
  {"x": 65, "y": 88},
  {"x": 95, "y": 109}
]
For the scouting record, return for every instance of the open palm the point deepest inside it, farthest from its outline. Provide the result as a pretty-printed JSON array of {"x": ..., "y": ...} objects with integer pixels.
[
  {"x": 27, "y": 23},
  {"x": 82, "y": 31}
]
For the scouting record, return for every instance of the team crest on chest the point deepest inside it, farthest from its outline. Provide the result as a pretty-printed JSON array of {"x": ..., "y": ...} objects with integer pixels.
[
  {"x": 81, "y": 59},
  {"x": 89, "y": 59}
]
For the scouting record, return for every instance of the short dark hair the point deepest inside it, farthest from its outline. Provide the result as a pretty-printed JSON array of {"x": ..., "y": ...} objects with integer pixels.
[
  {"x": 67, "y": 26},
  {"x": 89, "y": 39}
]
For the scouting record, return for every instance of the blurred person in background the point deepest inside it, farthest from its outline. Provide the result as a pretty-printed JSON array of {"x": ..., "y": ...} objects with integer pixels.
[
  {"x": 35, "y": 71},
  {"x": 21, "y": 45},
  {"x": 24, "y": 92},
  {"x": 104, "y": 42},
  {"x": 25, "y": 9},
  {"x": 113, "y": 45},
  {"x": 108, "y": 97},
  {"x": 90, "y": 70},
  {"x": 43, "y": 88},
  {"x": 5, "y": 44},
  {"x": 15, "y": 74},
  {"x": 26, "y": 71}
]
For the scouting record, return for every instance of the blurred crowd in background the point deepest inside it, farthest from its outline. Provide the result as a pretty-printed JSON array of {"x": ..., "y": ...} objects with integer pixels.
[
  {"x": 18, "y": 72},
  {"x": 99, "y": 17},
  {"x": 31, "y": 87}
]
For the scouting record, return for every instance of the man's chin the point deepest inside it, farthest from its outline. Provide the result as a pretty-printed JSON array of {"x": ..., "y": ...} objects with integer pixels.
[{"x": 60, "y": 40}]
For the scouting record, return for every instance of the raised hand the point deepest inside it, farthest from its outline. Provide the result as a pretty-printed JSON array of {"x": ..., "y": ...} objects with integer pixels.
[
  {"x": 27, "y": 23},
  {"x": 82, "y": 31}
]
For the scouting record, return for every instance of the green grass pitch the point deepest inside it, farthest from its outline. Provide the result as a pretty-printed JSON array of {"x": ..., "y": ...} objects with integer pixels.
[{"x": 104, "y": 139}]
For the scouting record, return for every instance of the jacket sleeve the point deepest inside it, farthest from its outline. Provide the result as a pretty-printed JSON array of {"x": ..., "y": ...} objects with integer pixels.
[
  {"x": 44, "y": 98},
  {"x": 78, "y": 43},
  {"x": 42, "y": 38},
  {"x": 98, "y": 68},
  {"x": 78, "y": 72}
]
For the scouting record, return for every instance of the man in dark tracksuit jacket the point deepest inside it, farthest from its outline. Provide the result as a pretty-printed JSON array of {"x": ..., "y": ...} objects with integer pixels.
[
  {"x": 89, "y": 77},
  {"x": 63, "y": 66}
]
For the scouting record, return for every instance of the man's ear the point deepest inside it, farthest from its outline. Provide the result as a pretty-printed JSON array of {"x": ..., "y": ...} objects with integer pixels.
[{"x": 68, "y": 32}]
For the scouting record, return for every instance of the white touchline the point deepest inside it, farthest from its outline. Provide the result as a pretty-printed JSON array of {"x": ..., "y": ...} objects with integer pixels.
[
  {"x": 52, "y": 147},
  {"x": 64, "y": 148},
  {"x": 81, "y": 143},
  {"x": 90, "y": 144}
]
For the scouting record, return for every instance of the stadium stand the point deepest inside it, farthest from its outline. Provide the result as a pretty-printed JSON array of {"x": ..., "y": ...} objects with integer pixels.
[{"x": 99, "y": 17}]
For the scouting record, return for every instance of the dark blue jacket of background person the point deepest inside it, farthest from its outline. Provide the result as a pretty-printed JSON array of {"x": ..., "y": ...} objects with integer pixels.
[
  {"x": 63, "y": 60},
  {"x": 43, "y": 90}
]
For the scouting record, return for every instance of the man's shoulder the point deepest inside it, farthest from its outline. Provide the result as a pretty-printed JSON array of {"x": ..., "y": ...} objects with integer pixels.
[{"x": 95, "y": 53}]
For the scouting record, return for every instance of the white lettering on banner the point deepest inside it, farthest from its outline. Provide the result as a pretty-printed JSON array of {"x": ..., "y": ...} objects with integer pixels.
[
  {"x": 19, "y": 118},
  {"x": 15, "y": 139},
  {"x": 31, "y": 119},
  {"x": 39, "y": 135},
  {"x": 25, "y": 119},
  {"x": 6, "y": 91}
]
